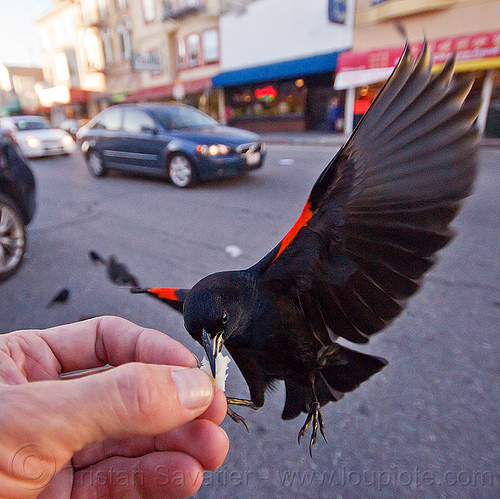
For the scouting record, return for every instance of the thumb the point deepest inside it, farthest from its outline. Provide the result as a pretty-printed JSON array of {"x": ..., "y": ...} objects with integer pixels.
[{"x": 130, "y": 400}]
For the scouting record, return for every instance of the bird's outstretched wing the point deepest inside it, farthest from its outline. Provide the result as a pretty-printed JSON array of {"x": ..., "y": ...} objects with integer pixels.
[
  {"x": 171, "y": 296},
  {"x": 382, "y": 207}
]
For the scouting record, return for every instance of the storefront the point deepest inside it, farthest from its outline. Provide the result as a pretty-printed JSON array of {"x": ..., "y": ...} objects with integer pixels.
[
  {"x": 281, "y": 97},
  {"x": 197, "y": 93},
  {"x": 64, "y": 103},
  {"x": 362, "y": 74}
]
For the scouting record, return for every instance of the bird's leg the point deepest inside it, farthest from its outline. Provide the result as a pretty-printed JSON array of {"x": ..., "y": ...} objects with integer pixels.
[
  {"x": 236, "y": 417},
  {"x": 315, "y": 417},
  {"x": 242, "y": 402}
]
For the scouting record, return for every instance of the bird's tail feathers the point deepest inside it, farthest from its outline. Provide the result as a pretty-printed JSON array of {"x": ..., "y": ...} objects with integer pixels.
[
  {"x": 343, "y": 370},
  {"x": 339, "y": 370}
]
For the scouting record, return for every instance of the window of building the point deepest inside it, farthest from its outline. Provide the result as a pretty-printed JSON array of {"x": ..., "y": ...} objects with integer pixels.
[
  {"x": 107, "y": 44},
  {"x": 91, "y": 48},
  {"x": 193, "y": 50},
  {"x": 197, "y": 49},
  {"x": 123, "y": 31},
  {"x": 180, "y": 54},
  {"x": 88, "y": 11},
  {"x": 121, "y": 4},
  {"x": 149, "y": 10},
  {"x": 135, "y": 121},
  {"x": 210, "y": 46},
  {"x": 62, "y": 69},
  {"x": 102, "y": 6}
]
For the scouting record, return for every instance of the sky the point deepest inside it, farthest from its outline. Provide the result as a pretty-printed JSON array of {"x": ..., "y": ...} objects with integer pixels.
[{"x": 19, "y": 42}]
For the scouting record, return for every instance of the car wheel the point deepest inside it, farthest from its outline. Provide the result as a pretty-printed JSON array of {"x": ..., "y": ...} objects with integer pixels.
[
  {"x": 12, "y": 237},
  {"x": 95, "y": 164},
  {"x": 181, "y": 171}
]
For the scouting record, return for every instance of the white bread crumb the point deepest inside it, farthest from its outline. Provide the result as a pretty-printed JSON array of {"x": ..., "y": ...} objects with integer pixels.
[{"x": 221, "y": 363}]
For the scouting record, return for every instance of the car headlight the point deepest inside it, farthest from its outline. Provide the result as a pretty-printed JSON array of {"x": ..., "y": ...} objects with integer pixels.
[
  {"x": 33, "y": 142},
  {"x": 67, "y": 140},
  {"x": 213, "y": 150}
]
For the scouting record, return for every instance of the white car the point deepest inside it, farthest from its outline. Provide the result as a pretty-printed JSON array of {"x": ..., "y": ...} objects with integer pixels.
[{"x": 36, "y": 137}]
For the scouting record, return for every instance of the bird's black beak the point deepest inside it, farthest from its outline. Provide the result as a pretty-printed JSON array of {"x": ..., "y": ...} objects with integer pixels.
[{"x": 212, "y": 348}]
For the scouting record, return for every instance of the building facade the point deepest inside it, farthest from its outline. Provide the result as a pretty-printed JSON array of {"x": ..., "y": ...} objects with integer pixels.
[
  {"x": 73, "y": 63},
  {"x": 18, "y": 90},
  {"x": 258, "y": 64},
  {"x": 109, "y": 31},
  {"x": 264, "y": 65},
  {"x": 469, "y": 28},
  {"x": 278, "y": 61},
  {"x": 177, "y": 52}
]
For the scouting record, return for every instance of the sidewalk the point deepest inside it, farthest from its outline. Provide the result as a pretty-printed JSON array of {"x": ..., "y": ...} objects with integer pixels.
[
  {"x": 304, "y": 138},
  {"x": 331, "y": 139}
]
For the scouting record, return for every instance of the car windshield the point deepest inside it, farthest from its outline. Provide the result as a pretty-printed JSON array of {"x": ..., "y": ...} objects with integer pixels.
[
  {"x": 182, "y": 117},
  {"x": 23, "y": 125}
]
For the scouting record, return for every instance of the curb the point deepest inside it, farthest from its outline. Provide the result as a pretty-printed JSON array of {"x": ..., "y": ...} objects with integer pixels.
[{"x": 337, "y": 141}]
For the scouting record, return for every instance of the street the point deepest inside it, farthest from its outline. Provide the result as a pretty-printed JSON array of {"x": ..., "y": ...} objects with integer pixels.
[{"x": 425, "y": 427}]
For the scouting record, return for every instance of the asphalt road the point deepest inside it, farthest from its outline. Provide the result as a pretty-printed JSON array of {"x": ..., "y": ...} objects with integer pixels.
[{"x": 425, "y": 427}]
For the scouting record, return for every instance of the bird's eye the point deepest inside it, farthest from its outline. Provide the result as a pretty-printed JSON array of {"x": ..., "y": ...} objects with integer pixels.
[{"x": 225, "y": 317}]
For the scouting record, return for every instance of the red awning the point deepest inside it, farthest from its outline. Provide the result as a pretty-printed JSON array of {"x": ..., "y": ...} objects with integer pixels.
[
  {"x": 79, "y": 95},
  {"x": 474, "y": 51},
  {"x": 168, "y": 91}
]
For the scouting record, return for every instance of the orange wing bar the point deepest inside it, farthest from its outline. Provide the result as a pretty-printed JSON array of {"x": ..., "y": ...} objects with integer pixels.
[
  {"x": 165, "y": 293},
  {"x": 304, "y": 218}
]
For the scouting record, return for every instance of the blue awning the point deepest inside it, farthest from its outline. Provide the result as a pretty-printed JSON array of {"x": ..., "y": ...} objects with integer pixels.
[{"x": 287, "y": 69}]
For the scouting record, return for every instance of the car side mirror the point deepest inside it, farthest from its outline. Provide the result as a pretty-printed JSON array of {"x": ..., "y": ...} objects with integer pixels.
[{"x": 149, "y": 129}]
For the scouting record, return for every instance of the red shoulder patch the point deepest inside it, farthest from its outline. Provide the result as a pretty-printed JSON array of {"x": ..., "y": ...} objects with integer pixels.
[{"x": 304, "y": 218}]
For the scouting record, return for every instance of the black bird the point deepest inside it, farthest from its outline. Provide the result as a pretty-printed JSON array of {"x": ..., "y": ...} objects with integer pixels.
[
  {"x": 61, "y": 296},
  {"x": 367, "y": 234},
  {"x": 117, "y": 272}
]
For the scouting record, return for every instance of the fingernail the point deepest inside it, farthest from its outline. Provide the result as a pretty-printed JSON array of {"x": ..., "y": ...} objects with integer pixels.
[
  {"x": 197, "y": 360},
  {"x": 195, "y": 388}
]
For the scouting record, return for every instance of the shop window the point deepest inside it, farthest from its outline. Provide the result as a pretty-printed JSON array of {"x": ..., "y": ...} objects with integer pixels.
[
  {"x": 210, "y": 46},
  {"x": 285, "y": 98},
  {"x": 193, "y": 50}
]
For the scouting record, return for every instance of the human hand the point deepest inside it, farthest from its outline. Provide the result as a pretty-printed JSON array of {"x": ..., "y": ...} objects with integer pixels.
[{"x": 147, "y": 428}]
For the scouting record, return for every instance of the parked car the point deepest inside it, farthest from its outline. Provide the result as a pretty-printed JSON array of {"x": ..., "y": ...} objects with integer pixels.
[
  {"x": 171, "y": 140},
  {"x": 71, "y": 126},
  {"x": 17, "y": 204},
  {"x": 36, "y": 136}
]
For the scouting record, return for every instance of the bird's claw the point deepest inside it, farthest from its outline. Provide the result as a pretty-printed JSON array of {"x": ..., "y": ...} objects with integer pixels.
[
  {"x": 316, "y": 418},
  {"x": 237, "y": 418}
]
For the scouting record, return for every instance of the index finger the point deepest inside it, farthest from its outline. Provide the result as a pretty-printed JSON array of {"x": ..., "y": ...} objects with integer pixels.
[{"x": 112, "y": 340}]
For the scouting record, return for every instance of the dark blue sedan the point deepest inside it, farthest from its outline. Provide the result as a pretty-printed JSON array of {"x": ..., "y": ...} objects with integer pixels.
[{"x": 171, "y": 140}]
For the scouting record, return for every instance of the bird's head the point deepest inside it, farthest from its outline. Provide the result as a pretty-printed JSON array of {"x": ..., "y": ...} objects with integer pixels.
[{"x": 215, "y": 309}]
